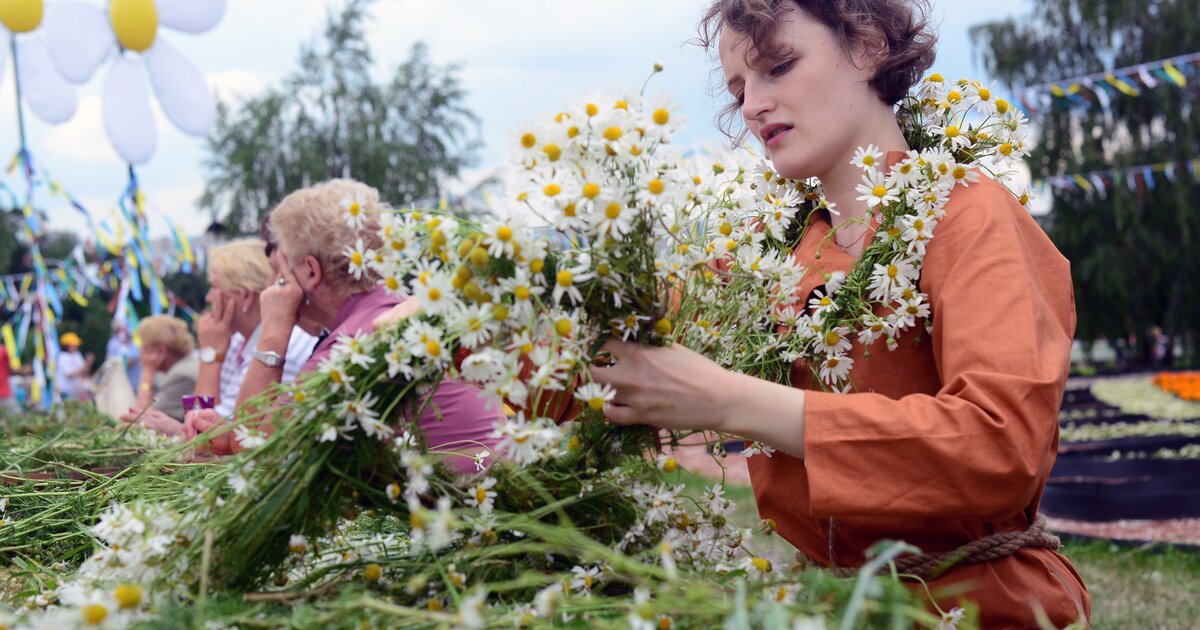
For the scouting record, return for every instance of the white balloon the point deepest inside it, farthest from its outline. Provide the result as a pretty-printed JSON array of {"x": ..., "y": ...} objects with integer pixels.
[
  {"x": 127, "y": 115},
  {"x": 181, "y": 89},
  {"x": 190, "y": 16},
  {"x": 43, "y": 88},
  {"x": 79, "y": 38}
]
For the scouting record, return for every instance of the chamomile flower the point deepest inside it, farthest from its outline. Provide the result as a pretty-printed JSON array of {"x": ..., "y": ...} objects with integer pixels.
[
  {"x": 835, "y": 368},
  {"x": 475, "y": 324},
  {"x": 435, "y": 291},
  {"x": 595, "y": 395},
  {"x": 886, "y": 280},
  {"x": 868, "y": 157},
  {"x": 583, "y": 580},
  {"x": 834, "y": 341},
  {"x": 482, "y": 496},
  {"x": 565, "y": 281},
  {"x": 614, "y": 220},
  {"x": 354, "y": 212},
  {"x": 359, "y": 257},
  {"x": 249, "y": 438},
  {"x": 500, "y": 238},
  {"x": 876, "y": 190},
  {"x": 524, "y": 292}
]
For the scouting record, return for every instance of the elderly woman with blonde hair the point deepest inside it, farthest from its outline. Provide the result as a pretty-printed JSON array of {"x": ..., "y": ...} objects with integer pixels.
[
  {"x": 169, "y": 371},
  {"x": 238, "y": 272},
  {"x": 316, "y": 291}
]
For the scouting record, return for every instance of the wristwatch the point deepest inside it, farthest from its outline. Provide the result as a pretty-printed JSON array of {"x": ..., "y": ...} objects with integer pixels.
[
  {"x": 269, "y": 359},
  {"x": 210, "y": 355}
]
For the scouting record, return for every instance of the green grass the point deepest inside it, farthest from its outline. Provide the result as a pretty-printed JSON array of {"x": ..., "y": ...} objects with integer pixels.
[
  {"x": 1148, "y": 588},
  {"x": 1145, "y": 587}
]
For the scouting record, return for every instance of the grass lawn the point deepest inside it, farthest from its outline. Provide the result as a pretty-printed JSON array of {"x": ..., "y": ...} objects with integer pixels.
[{"x": 1147, "y": 588}]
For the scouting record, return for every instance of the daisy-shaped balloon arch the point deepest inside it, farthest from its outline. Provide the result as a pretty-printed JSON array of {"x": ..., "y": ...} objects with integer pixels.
[
  {"x": 39, "y": 83},
  {"x": 81, "y": 37}
]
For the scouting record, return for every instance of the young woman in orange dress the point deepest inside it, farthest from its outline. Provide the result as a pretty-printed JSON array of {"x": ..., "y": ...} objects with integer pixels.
[{"x": 947, "y": 441}]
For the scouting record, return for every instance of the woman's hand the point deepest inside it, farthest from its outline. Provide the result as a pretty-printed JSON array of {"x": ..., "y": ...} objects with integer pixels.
[
  {"x": 156, "y": 420},
  {"x": 405, "y": 309},
  {"x": 215, "y": 327},
  {"x": 199, "y": 421},
  {"x": 671, "y": 387},
  {"x": 280, "y": 302}
]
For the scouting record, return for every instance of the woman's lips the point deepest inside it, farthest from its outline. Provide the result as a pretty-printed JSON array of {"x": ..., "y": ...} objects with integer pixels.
[{"x": 776, "y": 135}]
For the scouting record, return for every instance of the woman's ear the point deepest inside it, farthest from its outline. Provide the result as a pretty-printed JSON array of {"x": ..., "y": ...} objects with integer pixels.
[{"x": 311, "y": 273}]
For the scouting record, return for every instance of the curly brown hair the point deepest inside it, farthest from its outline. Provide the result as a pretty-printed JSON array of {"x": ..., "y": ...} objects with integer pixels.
[{"x": 902, "y": 24}]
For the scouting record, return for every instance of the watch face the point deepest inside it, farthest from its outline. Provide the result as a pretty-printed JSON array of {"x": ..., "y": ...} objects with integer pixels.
[{"x": 208, "y": 355}]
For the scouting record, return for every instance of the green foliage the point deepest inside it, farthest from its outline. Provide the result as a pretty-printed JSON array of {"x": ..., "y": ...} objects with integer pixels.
[
  {"x": 332, "y": 118},
  {"x": 1136, "y": 254}
]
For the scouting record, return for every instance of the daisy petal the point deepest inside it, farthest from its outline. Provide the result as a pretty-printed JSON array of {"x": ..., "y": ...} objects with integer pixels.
[
  {"x": 79, "y": 38},
  {"x": 190, "y": 16},
  {"x": 181, "y": 89},
  {"x": 5, "y": 45},
  {"x": 47, "y": 93},
  {"x": 128, "y": 118}
]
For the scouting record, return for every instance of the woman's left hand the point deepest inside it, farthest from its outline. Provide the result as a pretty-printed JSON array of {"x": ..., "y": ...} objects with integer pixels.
[{"x": 670, "y": 387}]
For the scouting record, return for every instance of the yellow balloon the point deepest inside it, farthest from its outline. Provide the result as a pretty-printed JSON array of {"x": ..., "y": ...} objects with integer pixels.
[
  {"x": 135, "y": 23},
  {"x": 21, "y": 16}
]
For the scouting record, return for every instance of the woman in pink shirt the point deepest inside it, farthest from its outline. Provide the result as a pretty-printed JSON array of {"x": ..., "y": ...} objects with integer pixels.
[{"x": 316, "y": 291}]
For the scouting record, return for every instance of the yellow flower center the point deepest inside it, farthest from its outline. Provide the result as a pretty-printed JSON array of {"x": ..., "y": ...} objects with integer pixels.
[
  {"x": 661, "y": 116},
  {"x": 656, "y": 186},
  {"x": 892, "y": 271},
  {"x": 935, "y": 78},
  {"x": 528, "y": 140},
  {"x": 960, "y": 172},
  {"x": 954, "y": 97},
  {"x": 480, "y": 494},
  {"x": 952, "y": 131},
  {"x": 373, "y": 572},
  {"x": 1006, "y": 149},
  {"x": 392, "y": 283},
  {"x": 433, "y": 348},
  {"x": 565, "y": 278},
  {"x": 537, "y": 265},
  {"x": 612, "y": 134},
  {"x": 563, "y": 327},
  {"x": 762, "y": 564},
  {"x": 670, "y": 465},
  {"x": 134, "y": 22},
  {"x": 985, "y": 94},
  {"x": 621, "y": 105},
  {"x": 434, "y": 294},
  {"x": 552, "y": 151},
  {"x": 869, "y": 160},
  {"x": 128, "y": 596},
  {"x": 572, "y": 131},
  {"x": 726, "y": 229},
  {"x": 613, "y": 210},
  {"x": 521, "y": 293},
  {"x": 591, "y": 190},
  {"x": 356, "y": 259},
  {"x": 569, "y": 210},
  {"x": 832, "y": 362},
  {"x": 879, "y": 191},
  {"x": 1001, "y": 106},
  {"x": 832, "y": 338},
  {"x": 94, "y": 614},
  {"x": 596, "y": 404},
  {"x": 504, "y": 233},
  {"x": 663, "y": 326},
  {"x": 552, "y": 190},
  {"x": 592, "y": 110}
]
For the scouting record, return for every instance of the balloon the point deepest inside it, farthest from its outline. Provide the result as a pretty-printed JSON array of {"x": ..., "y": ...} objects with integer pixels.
[
  {"x": 135, "y": 22},
  {"x": 128, "y": 118},
  {"x": 21, "y": 16},
  {"x": 79, "y": 38},
  {"x": 190, "y": 16},
  {"x": 181, "y": 90},
  {"x": 48, "y": 94}
]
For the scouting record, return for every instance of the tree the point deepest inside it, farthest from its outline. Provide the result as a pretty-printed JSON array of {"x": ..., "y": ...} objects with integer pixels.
[
  {"x": 330, "y": 118},
  {"x": 1135, "y": 254}
]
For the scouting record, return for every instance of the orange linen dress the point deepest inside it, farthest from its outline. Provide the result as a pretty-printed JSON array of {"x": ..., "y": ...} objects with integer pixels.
[{"x": 949, "y": 439}]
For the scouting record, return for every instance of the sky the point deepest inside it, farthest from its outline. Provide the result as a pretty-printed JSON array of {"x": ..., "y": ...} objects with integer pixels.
[{"x": 517, "y": 60}]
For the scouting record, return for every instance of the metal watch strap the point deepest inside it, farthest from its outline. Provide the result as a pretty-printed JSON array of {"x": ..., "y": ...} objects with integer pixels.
[{"x": 269, "y": 359}]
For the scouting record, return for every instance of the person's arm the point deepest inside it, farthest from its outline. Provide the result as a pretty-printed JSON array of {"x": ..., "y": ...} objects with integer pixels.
[
  {"x": 214, "y": 330},
  {"x": 1003, "y": 319},
  {"x": 280, "y": 304}
]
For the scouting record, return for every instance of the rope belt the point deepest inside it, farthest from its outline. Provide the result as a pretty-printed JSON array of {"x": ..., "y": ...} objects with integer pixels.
[{"x": 929, "y": 565}]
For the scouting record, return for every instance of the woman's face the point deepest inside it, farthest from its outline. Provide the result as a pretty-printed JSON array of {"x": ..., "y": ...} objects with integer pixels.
[{"x": 807, "y": 108}]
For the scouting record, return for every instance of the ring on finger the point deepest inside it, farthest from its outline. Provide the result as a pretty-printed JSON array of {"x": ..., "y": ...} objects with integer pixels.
[{"x": 281, "y": 282}]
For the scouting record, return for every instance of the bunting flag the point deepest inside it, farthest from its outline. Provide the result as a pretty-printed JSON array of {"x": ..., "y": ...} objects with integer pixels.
[
  {"x": 125, "y": 261},
  {"x": 1138, "y": 179},
  {"x": 1102, "y": 88}
]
